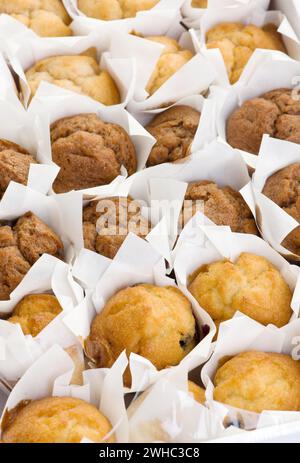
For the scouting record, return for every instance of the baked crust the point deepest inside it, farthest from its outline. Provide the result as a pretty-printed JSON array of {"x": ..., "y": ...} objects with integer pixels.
[{"x": 109, "y": 10}]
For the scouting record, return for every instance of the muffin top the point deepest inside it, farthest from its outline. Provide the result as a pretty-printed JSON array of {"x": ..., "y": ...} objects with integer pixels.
[
  {"x": 47, "y": 18},
  {"x": 197, "y": 392},
  {"x": 222, "y": 205},
  {"x": 154, "y": 322},
  {"x": 251, "y": 285},
  {"x": 14, "y": 164},
  {"x": 199, "y": 3},
  {"x": 89, "y": 152},
  {"x": 114, "y": 9},
  {"x": 238, "y": 42},
  {"x": 172, "y": 58},
  {"x": 275, "y": 113},
  {"x": 258, "y": 381},
  {"x": 55, "y": 420},
  {"x": 174, "y": 130},
  {"x": 78, "y": 73},
  {"x": 34, "y": 312},
  {"x": 106, "y": 224},
  {"x": 21, "y": 246}
]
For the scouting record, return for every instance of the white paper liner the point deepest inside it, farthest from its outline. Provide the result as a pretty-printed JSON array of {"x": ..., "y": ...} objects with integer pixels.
[
  {"x": 265, "y": 71},
  {"x": 51, "y": 374},
  {"x": 135, "y": 263},
  {"x": 241, "y": 334},
  {"x": 191, "y": 12},
  {"x": 20, "y": 351},
  {"x": 292, "y": 11},
  {"x": 13, "y": 31},
  {"x": 33, "y": 49},
  {"x": 8, "y": 90}
]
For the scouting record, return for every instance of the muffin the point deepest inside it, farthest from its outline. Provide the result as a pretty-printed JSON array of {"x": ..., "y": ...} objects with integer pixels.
[
  {"x": 258, "y": 381},
  {"x": 89, "y": 152},
  {"x": 197, "y": 392},
  {"x": 21, "y": 246},
  {"x": 78, "y": 73},
  {"x": 238, "y": 42},
  {"x": 114, "y": 9},
  {"x": 174, "y": 130},
  {"x": 276, "y": 113},
  {"x": 222, "y": 205},
  {"x": 47, "y": 18},
  {"x": 55, "y": 420},
  {"x": 154, "y": 322},
  {"x": 106, "y": 224},
  {"x": 283, "y": 188},
  {"x": 14, "y": 164},
  {"x": 199, "y": 3},
  {"x": 172, "y": 58},
  {"x": 251, "y": 285},
  {"x": 34, "y": 312}
]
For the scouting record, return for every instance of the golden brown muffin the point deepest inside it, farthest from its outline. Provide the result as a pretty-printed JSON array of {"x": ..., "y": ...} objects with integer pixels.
[
  {"x": 258, "y": 381},
  {"x": 172, "y": 58},
  {"x": 199, "y": 3},
  {"x": 238, "y": 42},
  {"x": 106, "y": 224},
  {"x": 197, "y": 392},
  {"x": 21, "y": 246},
  {"x": 80, "y": 74},
  {"x": 114, "y": 9},
  {"x": 174, "y": 130},
  {"x": 89, "y": 152},
  {"x": 275, "y": 113},
  {"x": 47, "y": 18},
  {"x": 34, "y": 312},
  {"x": 283, "y": 188},
  {"x": 222, "y": 205},
  {"x": 154, "y": 322},
  {"x": 251, "y": 285},
  {"x": 55, "y": 420},
  {"x": 14, "y": 164}
]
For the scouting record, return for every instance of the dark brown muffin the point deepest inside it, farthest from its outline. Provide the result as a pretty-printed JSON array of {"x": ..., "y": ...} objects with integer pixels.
[
  {"x": 89, "y": 152},
  {"x": 20, "y": 247},
  {"x": 14, "y": 164},
  {"x": 106, "y": 224},
  {"x": 174, "y": 131},
  {"x": 283, "y": 188},
  {"x": 275, "y": 113},
  {"x": 222, "y": 205}
]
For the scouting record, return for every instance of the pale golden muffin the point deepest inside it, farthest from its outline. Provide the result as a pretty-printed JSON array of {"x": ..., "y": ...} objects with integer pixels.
[
  {"x": 90, "y": 152},
  {"x": 114, "y": 9},
  {"x": 197, "y": 392},
  {"x": 80, "y": 74},
  {"x": 47, "y": 18},
  {"x": 251, "y": 285},
  {"x": 199, "y": 3},
  {"x": 172, "y": 58},
  {"x": 14, "y": 164},
  {"x": 238, "y": 42},
  {"x": 34, "y": 312},
  {"x": 258, "y": 381},
  {"x": 21, "y": 246},
  {"x": 154, "y": 322},
  {"x": 55, "y": 420},
  {"x": 107, "y": 223}
]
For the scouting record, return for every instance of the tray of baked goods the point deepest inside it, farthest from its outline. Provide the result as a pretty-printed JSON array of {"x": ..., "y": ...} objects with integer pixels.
[{"x": 149, "y": 221}]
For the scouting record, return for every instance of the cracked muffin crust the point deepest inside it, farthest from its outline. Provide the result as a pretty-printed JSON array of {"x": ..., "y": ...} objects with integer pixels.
[
  {"x": 21, "y": 246},
  {"x": 114, "y": 9},
  {"x": 107, "y": 222},
  {"x": 237, "y": 43},
  {"x": 251, "y": 285},
  {"x": 172, "y": 58},
  {"x": 34, "y": 312},
  {"x": 14, "y": 164},
  {"x": 89, "y": 152},
  {"x": 55, "y": 420},
  {"x": 174, "y": 130},
  {"x": 258, "y": 381},
  {"x": 154, "y": 322},
  {"x": 78, "y": 73},
  {"x": 275, "y": 113},
  {"x": 283, "y": 188},
  {"x": 222, "y": 205},
  {"x": 47, "y": 18}
]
